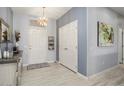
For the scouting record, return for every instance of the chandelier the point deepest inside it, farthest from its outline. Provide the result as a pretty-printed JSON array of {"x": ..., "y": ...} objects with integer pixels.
[{"x": 43, "y": 21}]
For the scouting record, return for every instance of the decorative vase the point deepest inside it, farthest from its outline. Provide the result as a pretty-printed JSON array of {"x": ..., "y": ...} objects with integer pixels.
[
  {"x": 4, "y": 54},
  {"x": 11, "y": 54},
  {"x": 7, "y": 54},
  {"x": 0, "y": 54}
]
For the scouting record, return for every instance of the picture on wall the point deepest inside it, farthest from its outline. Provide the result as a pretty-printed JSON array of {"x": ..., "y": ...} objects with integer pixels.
[{"x": 105, "y": 35}]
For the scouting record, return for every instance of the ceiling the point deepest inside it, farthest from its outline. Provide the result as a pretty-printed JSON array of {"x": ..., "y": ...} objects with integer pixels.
[
  {"x": 119, "y": 10},
  {"x": 50, "y": 12}
]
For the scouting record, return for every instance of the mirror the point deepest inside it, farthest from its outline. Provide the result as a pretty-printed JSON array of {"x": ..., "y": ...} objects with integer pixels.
[
  {"x": 4, "y": 31},
  {"x": 6, "y": 44}
]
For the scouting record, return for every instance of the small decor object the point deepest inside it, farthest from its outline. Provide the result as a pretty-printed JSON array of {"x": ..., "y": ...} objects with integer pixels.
[
  {"x": 5, "y": 54},
  {"x": 17, "y": 38},
  {"x": 0, "y": 54},
  {"x": 50, "y": 43},
  {"x": 105, "y": 35},
  {"x": 4, "y": 36},
  {"x": 10, "y": 54}
]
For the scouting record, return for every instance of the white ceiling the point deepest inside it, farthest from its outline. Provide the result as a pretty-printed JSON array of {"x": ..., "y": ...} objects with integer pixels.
[
  {"x": 119, "y": 10},
  {"x": 50, "y": 12}
]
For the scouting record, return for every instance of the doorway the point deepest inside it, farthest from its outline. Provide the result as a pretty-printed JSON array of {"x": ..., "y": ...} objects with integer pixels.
[{"x": 68, "y": 51}]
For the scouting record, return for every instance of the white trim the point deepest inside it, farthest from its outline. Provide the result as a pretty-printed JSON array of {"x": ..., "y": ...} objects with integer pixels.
[
  {"x": 51, "y": 61},
  {"x": 87, "y": 12},
  {"x": 24, "y": 65},
  {"x": 68, "y": 68},
  {"x": 81, "y": 75},
  {"x": 97, "y": 74},
  {"x": 119, "y": 46},
  {"x": 101, "y": 73}
]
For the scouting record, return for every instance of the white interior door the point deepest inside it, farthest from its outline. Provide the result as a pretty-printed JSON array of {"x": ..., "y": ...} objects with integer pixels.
[
  {"x": 37, "y": 45},
  {"x": 68, "y": 45},
  {"x": 63, "y": 46}
]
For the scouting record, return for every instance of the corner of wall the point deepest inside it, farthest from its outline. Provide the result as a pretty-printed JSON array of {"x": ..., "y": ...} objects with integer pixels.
[{"x": 87, "y": 74}]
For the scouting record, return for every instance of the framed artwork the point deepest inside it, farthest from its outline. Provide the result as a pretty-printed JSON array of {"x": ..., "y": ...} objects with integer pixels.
[{"x": 105, "y": 35}]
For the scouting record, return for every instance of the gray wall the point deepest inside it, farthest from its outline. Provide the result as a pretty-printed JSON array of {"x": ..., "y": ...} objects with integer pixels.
[
  {"x": 21, "y": 23},
  {"x": 79, "y": 14},
  {"x": 93, "y": 59},
  {"x": 101, "y": 58}
]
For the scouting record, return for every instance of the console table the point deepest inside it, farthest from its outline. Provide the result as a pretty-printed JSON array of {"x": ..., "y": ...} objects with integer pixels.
[{"x": 10, "y": 70}]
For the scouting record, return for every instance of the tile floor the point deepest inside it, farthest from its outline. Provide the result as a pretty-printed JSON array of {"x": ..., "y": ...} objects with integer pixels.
[{"x": 58, "y": 75}]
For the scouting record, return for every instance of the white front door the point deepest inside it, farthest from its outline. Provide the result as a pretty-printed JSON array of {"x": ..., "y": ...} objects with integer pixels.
[
  {"x": 68, "y": 45},
  {"x": 37, "y": 45}
]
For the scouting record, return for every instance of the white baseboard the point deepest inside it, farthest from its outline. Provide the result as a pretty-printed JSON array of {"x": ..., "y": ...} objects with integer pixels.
[
  {"x": 24, "y": 65},
  {"x": 51, "y": 61},
  {"x": 101, "y": 73},
  {"x": 81, "y": 75},
  {"x": 97, "y": 74}
]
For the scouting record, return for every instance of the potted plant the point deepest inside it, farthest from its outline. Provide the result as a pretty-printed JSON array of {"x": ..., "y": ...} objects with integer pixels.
[{"x": 17, "y": 39}]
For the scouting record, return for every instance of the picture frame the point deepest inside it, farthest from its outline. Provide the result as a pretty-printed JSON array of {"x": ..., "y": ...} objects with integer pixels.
[{"x": 105, "y": 35}]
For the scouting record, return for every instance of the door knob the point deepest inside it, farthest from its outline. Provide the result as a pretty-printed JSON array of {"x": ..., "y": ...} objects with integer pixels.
[
  {"x": 65, "y": 48},
  {"x": 29, "y": 47}
]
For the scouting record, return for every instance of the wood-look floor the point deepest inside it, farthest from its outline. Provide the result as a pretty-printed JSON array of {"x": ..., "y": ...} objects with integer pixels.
[{"x": 57, "y": 75}]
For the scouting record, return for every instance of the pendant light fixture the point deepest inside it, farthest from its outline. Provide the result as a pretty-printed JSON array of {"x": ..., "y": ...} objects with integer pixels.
[{"x": 43, "y": 21}]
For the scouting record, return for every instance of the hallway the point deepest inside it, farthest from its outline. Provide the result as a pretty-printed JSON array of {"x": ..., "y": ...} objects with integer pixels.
[{"x": 57, "y": 75}]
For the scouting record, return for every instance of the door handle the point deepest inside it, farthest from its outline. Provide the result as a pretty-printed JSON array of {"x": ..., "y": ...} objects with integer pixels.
[
  {"x": 65, "y": 48},
  {"x": 30, "y": 48},
  {"x": 76, "y": 47}
]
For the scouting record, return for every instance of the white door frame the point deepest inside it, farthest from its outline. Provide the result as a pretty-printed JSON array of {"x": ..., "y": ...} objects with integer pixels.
[
  {"x": 121, "y": 46},
  {"x": 76, "y": 46}
]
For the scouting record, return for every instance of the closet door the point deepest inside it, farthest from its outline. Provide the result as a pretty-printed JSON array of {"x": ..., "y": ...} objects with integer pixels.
[
  {"x": 63, "y": 46},
  {"x": 68, "y": 45},
  {"x": 72, "y": 46}
]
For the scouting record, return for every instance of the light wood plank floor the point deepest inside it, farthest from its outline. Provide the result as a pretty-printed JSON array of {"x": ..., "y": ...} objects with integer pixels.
[{"x": 57, "y": 75}]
